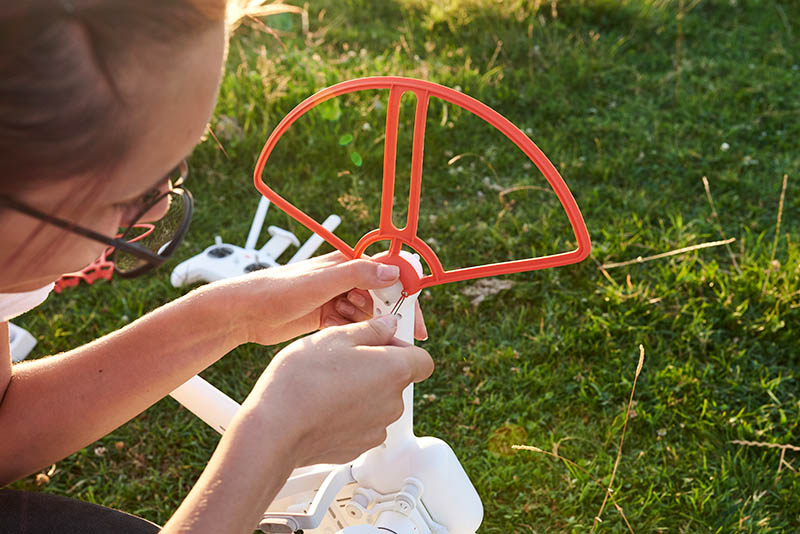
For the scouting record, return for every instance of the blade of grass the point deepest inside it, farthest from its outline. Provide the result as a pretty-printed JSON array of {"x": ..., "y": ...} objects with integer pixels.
[
  {"x": 715, "y": 216},
  {"x": 675, "y": 252},
  {"x": 606, "y": 487},
  {"x": 621, "y": 438},
  {"x": 777, "y": 233}
]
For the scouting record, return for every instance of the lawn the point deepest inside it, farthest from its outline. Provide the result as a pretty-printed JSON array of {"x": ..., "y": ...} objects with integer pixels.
[{"x": 674, "y": 123}]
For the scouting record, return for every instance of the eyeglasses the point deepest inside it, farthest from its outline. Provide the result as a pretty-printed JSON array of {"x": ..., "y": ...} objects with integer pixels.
[{"x": 144, "y": 244}]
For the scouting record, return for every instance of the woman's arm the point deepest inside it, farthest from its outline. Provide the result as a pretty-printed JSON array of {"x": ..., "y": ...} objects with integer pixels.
[
  {"x": 56, "y": 405},
  {"x": 241, "y": 479},
  {"x": 53, "y": 406}
]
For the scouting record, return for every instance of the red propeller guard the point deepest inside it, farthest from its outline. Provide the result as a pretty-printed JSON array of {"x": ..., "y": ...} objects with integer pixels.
[
  {"x": 398, "y": 237},
  {"x": 100, "y": 269}
]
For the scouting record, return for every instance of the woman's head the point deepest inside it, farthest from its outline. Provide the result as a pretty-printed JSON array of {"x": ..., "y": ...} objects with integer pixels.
[{"x": 99, "y": 99}]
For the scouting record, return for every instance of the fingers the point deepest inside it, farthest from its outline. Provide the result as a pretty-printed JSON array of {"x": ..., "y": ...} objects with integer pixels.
[
  {"x": 358, "y": 307},
  {"x": 423, "y": 364},
  {"x": 345, "y": 307},
  {"x": 334, "y": 279},
  {"x": 379, "y": 333},
  {"x": 326, "y": 260},
  {"x": 334, "y": 320},
  {"x": 420, "y": 331},
  {"x": 375, "y": 332},
  {"x": 361, "y": 299},
  {"x": 416, "y": 360},
  {"x": 343, "y": 311}
]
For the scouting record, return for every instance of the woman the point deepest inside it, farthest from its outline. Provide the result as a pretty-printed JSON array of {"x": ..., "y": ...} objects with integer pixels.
[{"x": 99, "y": 99}]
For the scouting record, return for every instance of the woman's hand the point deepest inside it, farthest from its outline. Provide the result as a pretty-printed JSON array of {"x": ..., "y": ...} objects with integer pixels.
[
  {"x": 280, "y": 303},
  {"x": 336, "y": 391}
]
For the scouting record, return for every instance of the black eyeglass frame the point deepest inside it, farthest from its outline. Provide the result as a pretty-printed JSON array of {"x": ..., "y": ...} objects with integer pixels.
[{"x": 151, "y": 258}]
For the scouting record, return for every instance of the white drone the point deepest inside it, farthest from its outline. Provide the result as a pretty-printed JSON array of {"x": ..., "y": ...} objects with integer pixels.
[
  {"x": 409, "y": 484},
  {"x": 223, "y": 260},
  {"x": 21, "y": 342}
]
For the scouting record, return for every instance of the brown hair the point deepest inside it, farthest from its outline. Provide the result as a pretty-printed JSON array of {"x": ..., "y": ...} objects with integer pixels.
[{"x": 61, "y": 114}]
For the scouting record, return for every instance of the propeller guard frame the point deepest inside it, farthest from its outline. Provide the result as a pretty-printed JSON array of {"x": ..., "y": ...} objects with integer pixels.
[{"x": 387, "y": 231}]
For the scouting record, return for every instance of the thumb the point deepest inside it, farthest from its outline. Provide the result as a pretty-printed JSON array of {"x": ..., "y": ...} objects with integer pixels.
[
  {"x": 330, "y": 281},
  {"x": 375, "y": 332}
]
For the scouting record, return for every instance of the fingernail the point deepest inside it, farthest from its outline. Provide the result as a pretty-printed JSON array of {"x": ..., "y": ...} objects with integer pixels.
[
  {"x": 424, "y": 332},
  {"x": 388, "y": 272},
  {"x": 357, "y": 299},
  {"x": 389, "y": 321},
  {"x": 345, "y": 308}
]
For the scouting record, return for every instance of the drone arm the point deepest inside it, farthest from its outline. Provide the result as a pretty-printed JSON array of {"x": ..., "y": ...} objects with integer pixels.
[
  {"x": 286, "y": 523},
  {"x": 241, "y": 479},
  {"x": 207, "y": 402},
  {"x": 279, "y": 241},
  {"x": 313, "y": 242},
  {"x": 258, "y": 222},
  {"x": 384, "y": 301}
]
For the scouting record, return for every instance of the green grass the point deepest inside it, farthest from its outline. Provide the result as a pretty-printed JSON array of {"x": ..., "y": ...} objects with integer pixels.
[{"x": 632, "y": 102}]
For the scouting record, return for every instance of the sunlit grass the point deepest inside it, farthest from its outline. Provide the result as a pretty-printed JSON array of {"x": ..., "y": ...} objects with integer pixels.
[{"x": 634, "y": 102}]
